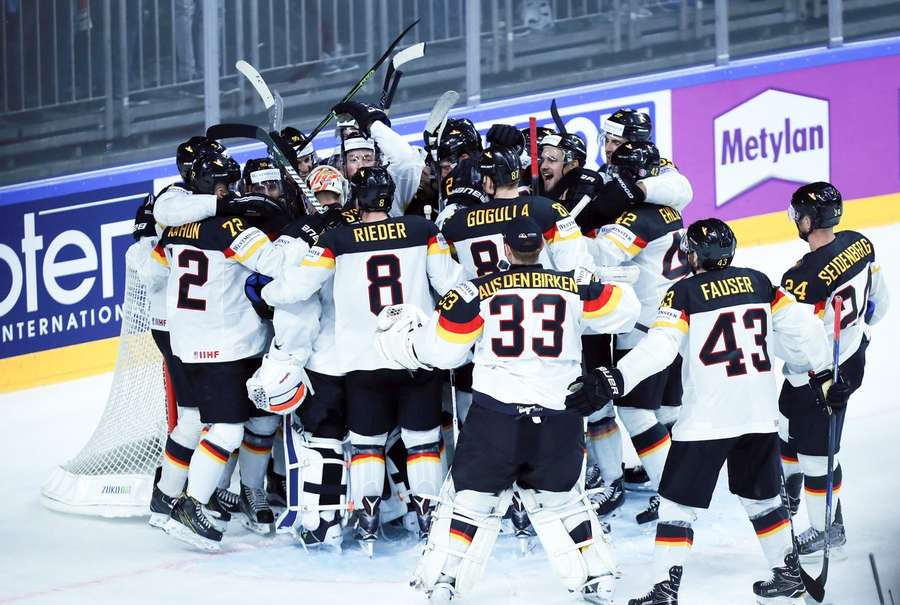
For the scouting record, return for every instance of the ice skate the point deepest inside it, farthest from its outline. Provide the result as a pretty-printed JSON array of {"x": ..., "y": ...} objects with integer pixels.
[
  {"x": 328, "y": 534},
  {"x": 422, "y": 507},
  {"x": 599, "y": 590},
  {"x": 160, "y": 507},
  {"x": 522, "y": 528},
  {"x": 228, "y": 500},
  {"x": 258, "y": 517},
  {"x": 662, "y": 593},
  {"x": 190, "y": 524},
  {"x": 651, "y": 513},
  {"x": 636, "y": 479},
  {"x": 785, "y": 585},
  {"x": 611, "y": 498},
  {"x": 218, "y": 515},
  {"x": 368, "y": 519},
  {"x": 811, "y": 543}
]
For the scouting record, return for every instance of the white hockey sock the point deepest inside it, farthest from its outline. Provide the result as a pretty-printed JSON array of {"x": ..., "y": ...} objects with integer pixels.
[
  {"x": 366, "y": 466},
  {"x": 228, "y": 471},
  {"x": 772, "y": 526},
  {"x": 210, "y": 458},
  {"x": 605, "y": 443},
  {"x": 253, "y": 457},
  {"x": 180, "y": 446},
  {"x": 423, "y": 461},
  {"x": 650, "y": 439},
  {"x": 815, "y": 484},
  {"x": 674, "y": 537}
]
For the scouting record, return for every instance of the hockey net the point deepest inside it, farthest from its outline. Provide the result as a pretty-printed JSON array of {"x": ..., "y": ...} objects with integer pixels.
[{"x": 113, "y": 474}]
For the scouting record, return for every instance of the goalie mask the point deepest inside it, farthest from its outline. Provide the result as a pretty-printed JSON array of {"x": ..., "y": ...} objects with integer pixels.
[
  {"x": 279, "y": 386},
  {"x": 323, "y": 180}
]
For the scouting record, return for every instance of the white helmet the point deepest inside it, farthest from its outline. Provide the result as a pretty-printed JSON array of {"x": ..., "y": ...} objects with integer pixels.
[{"x": 328, "y": 178}]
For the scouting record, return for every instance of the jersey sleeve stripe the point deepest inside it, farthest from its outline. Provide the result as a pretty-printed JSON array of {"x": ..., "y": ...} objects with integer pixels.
[
  {"x": 819, "y": 309},
  {"x": 460, "y": 333},
  {"x": 325, "y": 260},
  {"x": 605, "y": 303},
  {"x": 552, "y": 235},
  {"x": 159, "y": 256},
  {"x": 435, "y": 247},
  {"x": 780, "y": 301},
  {"x": 633, "y": 250},
  {"x": 253, "y": 249},
  {"x": 682, "y": 324}
]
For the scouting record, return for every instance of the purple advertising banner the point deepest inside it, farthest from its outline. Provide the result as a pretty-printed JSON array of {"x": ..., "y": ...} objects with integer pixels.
[{"x": 747, "y": 144}]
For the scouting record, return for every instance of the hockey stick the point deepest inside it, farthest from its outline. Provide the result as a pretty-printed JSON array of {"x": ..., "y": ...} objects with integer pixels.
[
  {"x": 360, "y": 83},
  {"x": 816, "y": 586},
  {"x": 434, "y": 126},
  {"x": 560, "y": 125},
  {"x": 274, "y": 105},
  {"x": 277, "y": 146},
  {"x": 392, "y": 76},
  {"x": 533, "y": 151},
  {"x": 580, "y": 205}
]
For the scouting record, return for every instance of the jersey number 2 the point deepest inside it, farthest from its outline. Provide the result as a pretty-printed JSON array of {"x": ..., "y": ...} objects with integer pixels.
[
  {"x": 730, "y": 354},
  {"x": 195, "y": 278}
]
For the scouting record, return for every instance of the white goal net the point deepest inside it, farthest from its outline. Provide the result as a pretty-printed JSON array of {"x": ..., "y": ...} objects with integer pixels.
[{"x": 113, "y": 474}]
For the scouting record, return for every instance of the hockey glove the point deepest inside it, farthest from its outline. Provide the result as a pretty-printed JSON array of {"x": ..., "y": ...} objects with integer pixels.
[
  {"x": 144, "y": 223},
  {"x": 620, "y": 194},
  {"x": 504, "y": 135},
  {"x": 830, "y": 394},
  {"x": 394, "y": 332},
  {"x": 365, "y": 115},
  {"x": 251, "y": 206},
  {"x": 594, "y": 390},
  {"x": 253, "y": 290}
]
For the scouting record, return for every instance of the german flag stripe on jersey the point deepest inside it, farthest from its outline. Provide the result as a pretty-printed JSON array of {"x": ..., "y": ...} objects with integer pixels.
[
  {"x": 606, "y": 302},
  {"x": 820, "y": 309},
  {"x": 674, "y": 535},
  {"x": 435, "y": 247},
  {"x": 159, "y": 255},
  {"x": 214, "y": 451},
  {"x": 324, "y": 261},
  {"x": 459, "y": 333},
  {"x": 633, "y": 249},
  {"x": 682, "y": 323},
  {"x": 553, "y": 236},
  {"x": 251, "y": 250},
  {"x": 780, "y": 301}
]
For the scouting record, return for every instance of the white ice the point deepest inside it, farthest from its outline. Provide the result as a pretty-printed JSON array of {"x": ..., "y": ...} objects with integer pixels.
[{"x": 48, "y": 557}]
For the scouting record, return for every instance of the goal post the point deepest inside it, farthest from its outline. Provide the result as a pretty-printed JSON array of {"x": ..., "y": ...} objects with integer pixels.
[{"x": 113, "y": 474}]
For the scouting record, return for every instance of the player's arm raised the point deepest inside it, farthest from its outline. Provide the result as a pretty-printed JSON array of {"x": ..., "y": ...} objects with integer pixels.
[{"x": 177, "y": 205}]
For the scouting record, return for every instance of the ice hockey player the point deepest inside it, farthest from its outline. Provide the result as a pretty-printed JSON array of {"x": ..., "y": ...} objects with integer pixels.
[
  {"x": 219, "y": 337},
  {"x": 838, "y": 264},
  {"x": 648, "y": 236},
  {"x": 179, "y": 203},
  {"x": 378, "y": 263},
  {"x": 459, "y": 141},
  {"x": 304, "y": 150},
  {"x": 725, "y": 321},
  {"x": 183, "y": 438},
  {"x": 525, "y": 324},
  {"x": 402, "y": 161}
]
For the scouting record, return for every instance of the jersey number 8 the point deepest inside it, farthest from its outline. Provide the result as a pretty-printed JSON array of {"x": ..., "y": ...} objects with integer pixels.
[{"x": 383, "y": 271}]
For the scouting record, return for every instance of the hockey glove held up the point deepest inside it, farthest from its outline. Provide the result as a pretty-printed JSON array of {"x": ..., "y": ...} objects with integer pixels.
[
  {"x": 254, "y": 205},
  {"x": 830, "y": 394},
  {"x": 620, "y": 194},
  {"x": 144, "y": 223},
  {"x": 594, "y": 390},
  {"x": 504, "y": 135},
  {"x": 365, "y": 115}
]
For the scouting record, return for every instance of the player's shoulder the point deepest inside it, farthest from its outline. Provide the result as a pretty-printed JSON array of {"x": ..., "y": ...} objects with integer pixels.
[
  {"x": 213, "y": 233},
  {"x": 304, "y": 228},
  {"x": 667, "y": 166},
  {"x": 649, "y": 221},
  {"x": 718, "y": 289}
]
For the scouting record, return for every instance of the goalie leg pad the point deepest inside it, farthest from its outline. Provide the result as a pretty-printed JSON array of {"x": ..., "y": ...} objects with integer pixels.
[
  {"x": 571, "y": 534},
  {"x": 462, "y": 536},
  {"x": 324, "y": 476},
  {"x": 256, "y": 448},
  {"x": 366, "y": 466}
]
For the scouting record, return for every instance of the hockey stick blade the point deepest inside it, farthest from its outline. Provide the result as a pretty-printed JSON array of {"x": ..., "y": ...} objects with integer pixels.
[
  {"x": 361, "y": 82},
  {"x": 440, "y": 110},
  {"x": 256, "y": 80},
  {"x": 276, "y": 112},
  {"x": 410, "y": 53},
  {"x": 392, "y": 79},
  {"x": 560, "y": 125}
]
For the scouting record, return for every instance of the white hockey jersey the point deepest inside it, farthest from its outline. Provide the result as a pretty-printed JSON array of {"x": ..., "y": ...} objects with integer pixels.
[
  {"x": 724, "y": 323},
  {"x": 370, "y": 266},
  {"x": 649, "y": 238},
  {"x": 526, "y": 324},
  {"x": 209, "y": 316}
]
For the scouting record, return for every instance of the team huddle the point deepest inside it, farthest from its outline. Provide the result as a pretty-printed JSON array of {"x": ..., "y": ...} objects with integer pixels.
[{"x": 447, "y": 340}]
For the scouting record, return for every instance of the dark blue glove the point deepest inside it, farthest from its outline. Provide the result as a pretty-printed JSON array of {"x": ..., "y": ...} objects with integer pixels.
[
  {"x": 253, "y": 291},
  {"x": 144, "y": 223},
  {"x": 870, "y": 310},
  {"x": 365, "y": 115},
  {"x": 594, "y": 390}
]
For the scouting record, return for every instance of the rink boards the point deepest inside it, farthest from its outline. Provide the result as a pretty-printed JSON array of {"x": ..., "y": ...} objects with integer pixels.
[{"x": 745, "y": 134}]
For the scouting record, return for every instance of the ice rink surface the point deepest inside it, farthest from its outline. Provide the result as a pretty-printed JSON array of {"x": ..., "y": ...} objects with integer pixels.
[{"x": 48, "y": 557}]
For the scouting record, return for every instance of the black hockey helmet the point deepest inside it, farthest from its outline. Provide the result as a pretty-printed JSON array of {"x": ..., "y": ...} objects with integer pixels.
[
  {"x": 188, "y": 151},
  {"x": 570, "y": 143},
  {"x": 629, "y": 124},
  {"x": 258, "y": 172},
  {"x": 820, "y": 201},
  {"x": 458, "y": 137},
  {"x": 210, "y": 168},
  {"x": 636, "y": 160},
  {"x": 712, "y": 241},
  {"x": 373, "y": 189},
  {"x": 463, "y": 184},
  {"x": 502, "y": 164},
  {"x": 298, "y": 142}
]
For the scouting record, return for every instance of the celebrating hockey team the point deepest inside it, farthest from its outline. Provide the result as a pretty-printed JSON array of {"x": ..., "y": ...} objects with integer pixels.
[{"x": 444, "y": 342}]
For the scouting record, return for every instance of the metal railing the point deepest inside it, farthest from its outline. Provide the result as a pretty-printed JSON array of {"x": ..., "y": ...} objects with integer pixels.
[{"x": 100, "y": 78}]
